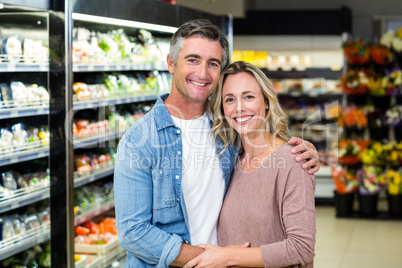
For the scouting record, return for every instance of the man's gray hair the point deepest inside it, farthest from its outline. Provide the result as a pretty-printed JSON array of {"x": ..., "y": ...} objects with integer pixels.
[{"x": 202, "y": 28}]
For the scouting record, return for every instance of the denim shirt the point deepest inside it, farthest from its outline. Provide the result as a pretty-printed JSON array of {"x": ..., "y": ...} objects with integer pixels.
[{"x": 151, "y": 216}]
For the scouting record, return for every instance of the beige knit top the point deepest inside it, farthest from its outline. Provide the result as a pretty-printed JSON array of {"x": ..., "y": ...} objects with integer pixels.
[{"x": 272, "y": 207}]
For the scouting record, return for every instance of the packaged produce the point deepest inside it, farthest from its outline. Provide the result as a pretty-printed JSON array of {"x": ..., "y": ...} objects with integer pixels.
[
  {"x": 19, "y": 93},
  {"x": 83, "y": 164},
  {"x": 6, "y": 141},
  {"x": 35, "y": 50},
  {"x": 32, "y": 222},
  {"x": 19, "y": 227},
  {"x": 7, "y": 228},
  {"x": 8, "y": 180},
  {"x": 11, "y": 47},
  {"x": 6, "y": 95},
  {"x": 44, "y": 134},
  {"x": 81, "y": 91},
  {"x": 20, "y": 136},
  {"x": 37, "y": 93}
]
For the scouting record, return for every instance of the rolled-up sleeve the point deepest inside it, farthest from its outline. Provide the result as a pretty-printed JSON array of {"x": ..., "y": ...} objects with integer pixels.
[{"x": 133, "y": 204}]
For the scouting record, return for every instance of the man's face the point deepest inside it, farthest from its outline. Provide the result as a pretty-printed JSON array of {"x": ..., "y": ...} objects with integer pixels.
[{"x": 197, "y": 70}]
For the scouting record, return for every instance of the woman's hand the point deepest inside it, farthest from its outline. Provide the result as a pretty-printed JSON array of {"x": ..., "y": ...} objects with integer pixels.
[
  {"x": 309, "y": 152},
  {"x": 212, "y": 257}
]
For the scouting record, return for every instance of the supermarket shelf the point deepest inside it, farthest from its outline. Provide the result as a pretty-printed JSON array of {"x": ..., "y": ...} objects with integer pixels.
[
  {"x": 23, "y": 197},
  {"x": 105, "y": 170},
  {"x": 24, "y": 111},
  {"x": 94, "y": 209},
  {"x": 23, "y": 67},
  {"x": 17, "y": 244},
  {"x": 24, "y": 155},
  {"x": 95, "y": 140},
  {"x": 77, "y": 67},
  {"x": 119, "y": 260},
  {"x": 88, "y": 104},
  {"x": 307, "y": 73},
  {"x": 311, "y": 95}
]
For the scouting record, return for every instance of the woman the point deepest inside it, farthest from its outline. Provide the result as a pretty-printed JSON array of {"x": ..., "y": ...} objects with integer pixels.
[{"x": 270, "y": 200}]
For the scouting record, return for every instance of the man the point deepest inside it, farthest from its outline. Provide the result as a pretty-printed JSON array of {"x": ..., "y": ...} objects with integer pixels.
[{"x": 169, "y": 182}]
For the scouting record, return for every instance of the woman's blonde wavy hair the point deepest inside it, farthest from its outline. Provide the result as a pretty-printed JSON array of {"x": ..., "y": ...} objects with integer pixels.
[{"x": 276, "y": 120}]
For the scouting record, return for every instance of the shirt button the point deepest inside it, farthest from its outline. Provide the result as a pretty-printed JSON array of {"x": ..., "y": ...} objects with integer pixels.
[
  {"x": 160, "y": 172},
  {"x": 178, "y": 131},
  {"x": 186, "y": 242},
  {"x": 177, "y": 177},
  {"x": 179, "y": 153},
  {"x": 178, "y": 200}
]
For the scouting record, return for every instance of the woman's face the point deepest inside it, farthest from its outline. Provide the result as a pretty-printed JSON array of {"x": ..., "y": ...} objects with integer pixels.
[{"x": 244, "y": 105}]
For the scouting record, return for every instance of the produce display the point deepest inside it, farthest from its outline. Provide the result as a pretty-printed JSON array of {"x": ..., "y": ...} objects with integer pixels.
[
  {"x": 13, "y": 180},
  {"x": 92, "y": 233},
  {"x": 14, "y": 50},
  {"x": 90, "y": 194},
  {"x": 18, "y": 94},
  {"x": 116, "y": 47},
  {"x": 16, "y": 226},
  {"x": 121, "y": 85},
  {"x": 85, "y": 163},
  {"x": 18, "y": 137}
]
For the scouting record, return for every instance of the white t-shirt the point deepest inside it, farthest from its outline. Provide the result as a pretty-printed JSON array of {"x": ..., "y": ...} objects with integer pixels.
[{"x": 202, "y": 179}]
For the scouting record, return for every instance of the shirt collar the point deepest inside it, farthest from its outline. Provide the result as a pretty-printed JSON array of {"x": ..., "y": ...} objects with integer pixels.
[{"x": 162, "y": 115}]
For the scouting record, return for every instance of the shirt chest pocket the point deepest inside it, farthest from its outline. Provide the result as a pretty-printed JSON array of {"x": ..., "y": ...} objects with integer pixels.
[{"x": 164, "y": 194}]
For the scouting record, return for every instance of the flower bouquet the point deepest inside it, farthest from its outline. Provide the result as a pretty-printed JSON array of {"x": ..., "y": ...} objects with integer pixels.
[
  {"x": 372, "y": 180},
  {"x": 393, "y": 118},
  {"x": 381, "y": 54},
  {"x": 394, "y": 179},
  {"x": 349, "y": 150},
  {"x": 346, "y": 184},
  {"x": 354, "y": 121},
  {"x": 375, "y": 85},
  {"x": 356, "y": 52},
  {"x": 374, "y": 154},
  {"x": 392, "y": 82},
  {"x": 394, "y": 154},
  {"x": 394, "y": 196},
  {"x": 393, "y": 40},
  {"x": 345, "y": 180},
  {"x": 355, "y": 82}
]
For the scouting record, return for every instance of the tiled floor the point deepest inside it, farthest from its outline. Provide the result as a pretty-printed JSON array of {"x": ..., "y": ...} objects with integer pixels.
[{"x": 355, "y": 243}]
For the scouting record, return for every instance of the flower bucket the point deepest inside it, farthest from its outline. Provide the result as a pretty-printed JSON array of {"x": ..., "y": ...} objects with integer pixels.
[
  {"x": 368, "y": 205},
  {"x": 395, "y": 205},
  {"x": 344, "y": 204},
  {"x": 361, "y": 90}
]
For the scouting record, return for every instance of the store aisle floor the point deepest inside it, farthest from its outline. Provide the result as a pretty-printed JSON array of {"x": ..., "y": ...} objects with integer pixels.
[{"x": 351, "y": 243}]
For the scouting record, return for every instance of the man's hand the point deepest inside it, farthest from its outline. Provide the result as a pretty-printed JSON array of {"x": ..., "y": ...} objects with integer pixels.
[{"x": 309, "y": 152}]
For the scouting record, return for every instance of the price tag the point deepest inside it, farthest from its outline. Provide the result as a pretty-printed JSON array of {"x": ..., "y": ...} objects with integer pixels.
[
  {"x": 91, "y": 67},
  {"x": 11, "y": 67},
  {"x": 40, "y": 111},
  {"x": 91, "y": 178},
  {"x": 107, "y": 67},
  {"x": 13, "y": 159},
  {"x": 42, "y": 154}
]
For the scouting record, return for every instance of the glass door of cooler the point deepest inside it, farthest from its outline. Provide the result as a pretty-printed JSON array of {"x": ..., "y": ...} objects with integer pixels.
[
  {"x": 24, "y": 138},
  {"x": 119, "y": 70}
]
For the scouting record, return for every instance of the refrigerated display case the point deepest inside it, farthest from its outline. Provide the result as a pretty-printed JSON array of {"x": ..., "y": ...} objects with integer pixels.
[{"x": 80, "y": 192}]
